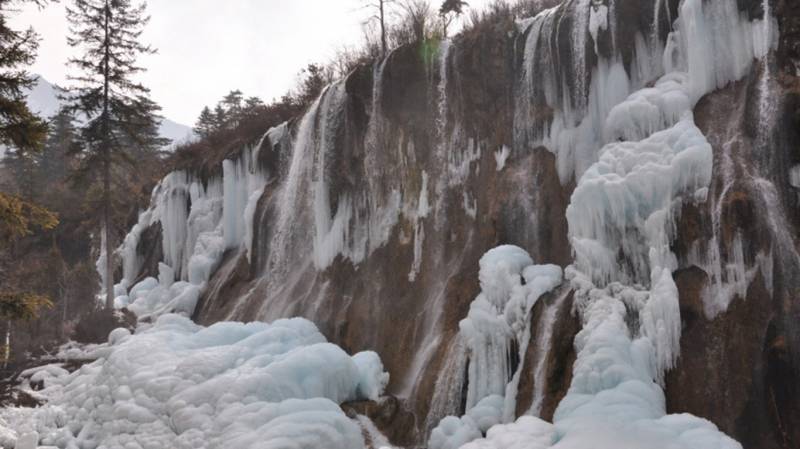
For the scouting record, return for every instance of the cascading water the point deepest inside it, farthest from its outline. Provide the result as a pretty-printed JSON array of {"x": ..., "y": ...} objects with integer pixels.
[
  {"x": 331, "y": 234},
  {"x": 764, "y": 43},
  {"x": 544, "y": 336}
]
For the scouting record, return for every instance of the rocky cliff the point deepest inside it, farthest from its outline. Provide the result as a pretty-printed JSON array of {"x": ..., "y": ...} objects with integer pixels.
[{"x": 369, "y": 214}]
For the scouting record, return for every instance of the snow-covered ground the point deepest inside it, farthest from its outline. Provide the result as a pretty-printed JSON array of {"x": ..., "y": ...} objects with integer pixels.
[{"x": 175, "y": 384}]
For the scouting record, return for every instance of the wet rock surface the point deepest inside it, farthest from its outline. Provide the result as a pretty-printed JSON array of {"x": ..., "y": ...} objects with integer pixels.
[
  {"x": 739, "y": 369},
  {"x": 389, "y": 415}
]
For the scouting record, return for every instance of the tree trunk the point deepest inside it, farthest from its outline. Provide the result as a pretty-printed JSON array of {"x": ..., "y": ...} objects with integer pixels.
[
  {"x": 383, "y": 29},
  {"x": 107, "y": 230},
  {"x": 106, "y": 150}
]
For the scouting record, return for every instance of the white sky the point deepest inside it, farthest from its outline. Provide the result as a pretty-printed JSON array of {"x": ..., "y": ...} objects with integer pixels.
[{"x": 208, "y": 47}]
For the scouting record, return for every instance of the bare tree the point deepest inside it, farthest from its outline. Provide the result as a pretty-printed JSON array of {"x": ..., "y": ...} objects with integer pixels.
[
  {"x": 380, "y": 9},
  {"x": 416, "y": 22}
]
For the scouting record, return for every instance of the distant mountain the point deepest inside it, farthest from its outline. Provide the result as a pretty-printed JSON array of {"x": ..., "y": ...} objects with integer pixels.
[{"x": 43, "y": 100}]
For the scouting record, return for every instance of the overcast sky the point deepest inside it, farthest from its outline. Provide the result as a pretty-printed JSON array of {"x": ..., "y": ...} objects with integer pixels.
[{"x": 209, "y": 47}]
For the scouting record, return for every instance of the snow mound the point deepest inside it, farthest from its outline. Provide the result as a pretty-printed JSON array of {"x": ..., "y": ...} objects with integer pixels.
[
  {"x": 453, "y": 432},
  {"x": 526, "y": 433},
  {"x": 176, "y": 384}
]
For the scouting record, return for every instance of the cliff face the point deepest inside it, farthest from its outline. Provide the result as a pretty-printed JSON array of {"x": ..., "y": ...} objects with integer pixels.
[{"x": 369, "y": 214}]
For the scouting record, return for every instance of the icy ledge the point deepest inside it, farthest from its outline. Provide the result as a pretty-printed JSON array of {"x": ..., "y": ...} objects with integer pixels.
[{"x": 231, "y": 385}]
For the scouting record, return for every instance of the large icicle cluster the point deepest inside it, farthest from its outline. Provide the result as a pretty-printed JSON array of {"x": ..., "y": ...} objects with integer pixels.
[
  {"x": 621, "y": 225},
  {"x": 621, "y": 216},
  {"x": 199, "y": 222},
  {"x": 180, "y": 385},
  {"x": 497, "y": 332},
  {"x": 561, "y": 103}
]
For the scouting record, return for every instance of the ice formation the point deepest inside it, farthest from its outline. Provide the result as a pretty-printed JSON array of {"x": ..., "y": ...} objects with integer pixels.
[
  {"x": 199, "y": 221},
  {"x": 621, "y": 225},
  {"x": 496, "y": 331},
  {"x": 569, "y": 121},
  {"x": 525, "y": 433},
  {"x": 453, "y": 432},
  {"x": 598, "y": 20},
  {"x": 180, "y": 385}
]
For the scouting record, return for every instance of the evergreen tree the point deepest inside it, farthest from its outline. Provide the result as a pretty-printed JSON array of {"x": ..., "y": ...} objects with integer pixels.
[
  {"x": 22, "y": 167},
  {"x": 252, "y": 107},
  {"x": 232, "y": 103},
  {"x": 61, "y": 143},
  {"x": 23, "y": 133},
  {"x": 20, "y": 129},
  {"x": 118, "y": 109},
  {"x": 313, "y": 80},
  {"x": 453, "y": 6},
  {"x": 449, "y": 11},
  {"x": 220, "y": 117},
  {"x": 253, "y": 103},
  {"x": 206, "y": 124}
]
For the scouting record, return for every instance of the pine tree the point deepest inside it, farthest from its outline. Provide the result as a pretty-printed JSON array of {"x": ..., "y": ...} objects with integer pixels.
[
  {"x": 221, "y": 118},
  {"x": 232, "y": 103},
  {"x": 20, "y": 129},
  {"x": 313, "y": 80},
  {"x": 62, "y": 142},
  {"x": 454, "y": 6},
  {"x": 206, "y": 124},
  {"x": 24, "y": 134},
  {"x": 252, "y": 107},
  {"x": 449, "y": 11},
  {"x": 120, "y": 114}
]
